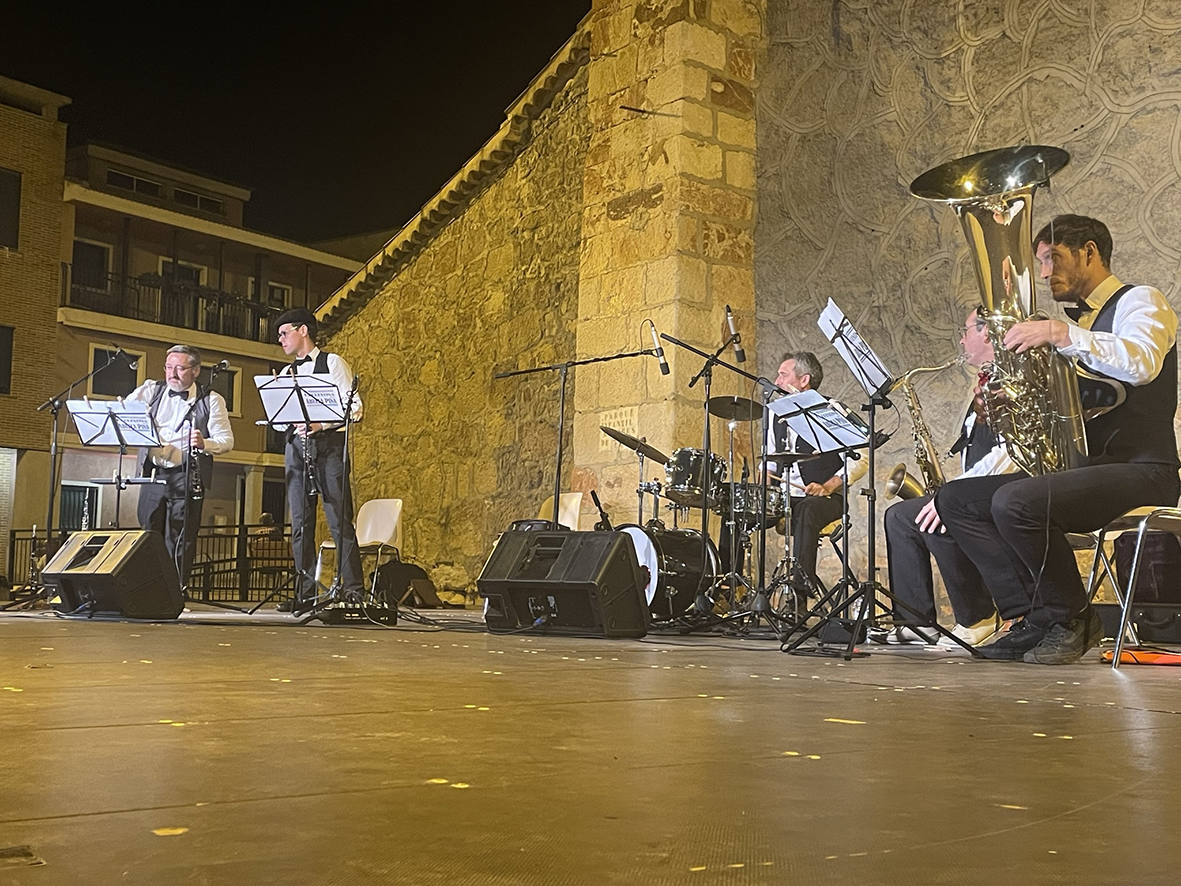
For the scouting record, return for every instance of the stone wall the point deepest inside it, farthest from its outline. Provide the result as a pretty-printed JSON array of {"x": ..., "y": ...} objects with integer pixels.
[
  {"x": 857, "y": 98},
  {"x": 495, "y": 290},
  {"x": 668, "y": 225}
]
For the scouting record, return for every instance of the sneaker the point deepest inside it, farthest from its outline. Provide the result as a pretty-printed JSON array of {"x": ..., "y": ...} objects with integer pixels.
[
  {"x": 1067, "y": 643},
  {"x": 906, "y": 634},
  {"x": 1022, "y": 637},
  {"x": 975, "y": 634}
]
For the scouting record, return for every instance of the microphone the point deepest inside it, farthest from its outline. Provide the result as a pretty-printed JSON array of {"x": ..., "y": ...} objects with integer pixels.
[
  {"x": 132, "y": 362},
  {"x": 221, "y": 365},
  {"x": 739, "y": 354},
  {"x": 659, "y": 350}
]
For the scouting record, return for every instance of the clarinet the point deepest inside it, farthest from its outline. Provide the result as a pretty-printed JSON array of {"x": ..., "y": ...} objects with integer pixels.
[
  {"x": 310, "y": 487},
  {"x": 196, "y": 487}
]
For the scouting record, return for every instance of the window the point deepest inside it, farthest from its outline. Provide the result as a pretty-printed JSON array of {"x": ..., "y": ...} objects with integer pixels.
[
  {"x": 208, "y": 204},
  {"x": 10, "y": 208},
  {"x": 91, "y": 264},
  {"x": 182, "y": 271},
  {"x": 186, "y": 198},
  {"x": 133, "y": 183},
  {"x": 278, "y": 295},
  {"x": 119, "y": 378},
  {"x": 120, "y": 180},
  {"x": 6, "y": 359},
  {"x": 225, "y": 383}
]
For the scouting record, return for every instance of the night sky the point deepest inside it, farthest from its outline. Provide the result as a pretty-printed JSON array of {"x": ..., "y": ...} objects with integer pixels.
[{"x": 341, "y": 123}]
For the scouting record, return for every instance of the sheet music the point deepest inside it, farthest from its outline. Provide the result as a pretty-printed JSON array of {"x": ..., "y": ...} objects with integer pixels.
[
  {"x": 95, "y": 421},
  {"x": 818, "y": 422},
  {"x": 867, "y": 367},
  {"x": 320, "y": 396}
]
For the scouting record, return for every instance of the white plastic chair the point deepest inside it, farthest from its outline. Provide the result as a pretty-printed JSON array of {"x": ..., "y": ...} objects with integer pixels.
[
  {"x": 379, "y": 527},
  {"x": 569, "y": 508}
]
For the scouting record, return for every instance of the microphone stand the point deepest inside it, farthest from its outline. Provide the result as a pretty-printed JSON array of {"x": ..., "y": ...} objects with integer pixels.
[
  {"x": 192, "y": 464},
  {"x": 563, "y": 370},
  {"x": 760, "y": 605}
]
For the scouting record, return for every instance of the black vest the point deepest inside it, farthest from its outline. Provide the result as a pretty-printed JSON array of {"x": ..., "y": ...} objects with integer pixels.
[
  {"x": 320, "y": 368},
  {"x": 1141, "y": 428},
  {"x": 978, "y": 444},
  {"x": 200, "y": 421}
]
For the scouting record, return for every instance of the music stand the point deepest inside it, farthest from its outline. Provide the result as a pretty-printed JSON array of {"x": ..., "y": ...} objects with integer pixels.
[
  {"x": 871, "y": 373},
  {"x": 300, "y": 399},
  {"x": 119, "y": 423}
]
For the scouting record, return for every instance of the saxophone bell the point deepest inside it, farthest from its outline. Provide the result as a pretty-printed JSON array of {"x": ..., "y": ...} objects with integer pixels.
[{"x": 902, "y": 484}]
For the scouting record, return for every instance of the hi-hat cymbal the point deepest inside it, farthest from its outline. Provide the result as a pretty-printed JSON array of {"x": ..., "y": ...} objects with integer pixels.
[
  {"x": 643, "y": 447},
  {"x": 735, "y": 408}
]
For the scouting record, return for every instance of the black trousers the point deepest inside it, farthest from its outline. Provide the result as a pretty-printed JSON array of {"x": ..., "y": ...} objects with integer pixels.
[
  {"x": 909, "y": 551},
  {"x": 337, "y": 497},
  {"x": 161, "y": 508},
  {"x": 1013, "y": 527},
  {"x": 809, "y": 514}
]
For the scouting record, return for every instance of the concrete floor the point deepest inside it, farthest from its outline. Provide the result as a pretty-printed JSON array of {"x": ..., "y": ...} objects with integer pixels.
[{"x": 225, "y": 750}]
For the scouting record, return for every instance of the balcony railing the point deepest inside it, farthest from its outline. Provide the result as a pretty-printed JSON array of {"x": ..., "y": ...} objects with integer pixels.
[
  {"x": 232, "y": 563},
  {"x": 170, "y": 302}
]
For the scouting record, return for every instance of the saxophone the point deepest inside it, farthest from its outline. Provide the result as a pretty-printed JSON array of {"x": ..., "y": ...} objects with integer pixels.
[
  {"x": 901, "y": 483},
  {"x": 1031, "y": 400}
]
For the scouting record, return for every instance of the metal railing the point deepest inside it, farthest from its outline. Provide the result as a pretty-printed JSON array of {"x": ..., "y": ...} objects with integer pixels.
[
  {"x": 232, "y": 563},
  {"x": 178, "y": 303}
]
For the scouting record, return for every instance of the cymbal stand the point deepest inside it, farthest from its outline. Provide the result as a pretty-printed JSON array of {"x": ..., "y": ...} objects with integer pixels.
[
  {"x": 739, "y": 540},
  {"x": 760, "y": 606}
]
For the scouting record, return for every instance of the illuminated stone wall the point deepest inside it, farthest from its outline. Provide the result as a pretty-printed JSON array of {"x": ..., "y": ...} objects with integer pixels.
[{"x": 495, "y": 290}]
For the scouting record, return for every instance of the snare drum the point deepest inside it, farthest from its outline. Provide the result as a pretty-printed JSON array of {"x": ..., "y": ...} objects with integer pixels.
[
  {"x": 686, "y": 472},
  {"x": 748, "y": 503},
  {"x": 673, "y": 561}
]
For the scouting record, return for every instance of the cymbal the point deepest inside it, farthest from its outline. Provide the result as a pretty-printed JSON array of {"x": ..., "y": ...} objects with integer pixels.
[
  {"x": 735, "y": 408},
  {"x": 643, "y": 447}
]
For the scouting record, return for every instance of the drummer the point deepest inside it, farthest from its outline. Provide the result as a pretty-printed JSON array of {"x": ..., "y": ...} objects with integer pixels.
[{"x": 817, "y": 484}]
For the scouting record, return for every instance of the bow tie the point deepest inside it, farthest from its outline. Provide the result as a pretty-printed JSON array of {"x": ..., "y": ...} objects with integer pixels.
[
  {"x": 184, "y": 393},
  {"x": 1077, "y": 310},
  {"x": 298, "y": 361}
]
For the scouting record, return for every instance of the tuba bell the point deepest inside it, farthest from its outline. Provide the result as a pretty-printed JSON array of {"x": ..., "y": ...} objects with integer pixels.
[{"x": 1032, "y": 399}]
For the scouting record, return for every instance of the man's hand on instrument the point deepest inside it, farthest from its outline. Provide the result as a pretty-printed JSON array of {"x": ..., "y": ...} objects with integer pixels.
[
  {"x": 828, "y": 487},
  {"x": 1032, "y": 333},
  {"x": 196, "y": 440},
  {"x": 928, "y": 519},
  {"x": 304, "y": 429}
]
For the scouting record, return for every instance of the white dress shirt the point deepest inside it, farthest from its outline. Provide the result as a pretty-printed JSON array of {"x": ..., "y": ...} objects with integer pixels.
[
  {"x": 341, "y": 375},
  {"x": 174, "y": 430},
  {"x": 1147, "y": 330}
]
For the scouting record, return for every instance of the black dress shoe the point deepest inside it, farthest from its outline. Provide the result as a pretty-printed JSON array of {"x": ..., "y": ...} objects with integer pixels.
[{"x": 285, "y": 606}]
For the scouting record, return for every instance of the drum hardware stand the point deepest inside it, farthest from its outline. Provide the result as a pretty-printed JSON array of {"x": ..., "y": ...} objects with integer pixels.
[
  {"x": 563, "y": 370},
  {"x": 643, "y": 449},
  {"x": 760, "y": 605}
]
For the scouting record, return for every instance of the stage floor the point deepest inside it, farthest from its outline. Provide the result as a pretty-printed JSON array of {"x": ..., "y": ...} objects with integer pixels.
[{"x": 224, "y": 749}]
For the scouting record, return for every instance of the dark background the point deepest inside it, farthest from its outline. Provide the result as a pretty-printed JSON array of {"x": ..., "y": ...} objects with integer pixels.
[{"x": 341, "y": 122}]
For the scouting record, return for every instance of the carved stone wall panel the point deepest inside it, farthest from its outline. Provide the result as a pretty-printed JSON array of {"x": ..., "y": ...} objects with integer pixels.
[{"x": 857, "y": 98}]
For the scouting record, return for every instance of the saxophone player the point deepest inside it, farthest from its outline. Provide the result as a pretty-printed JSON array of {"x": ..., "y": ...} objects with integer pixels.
[
  {"x": 169, "y": 507},
  {"x": 297, "y": 330},
  {"x": 1014, "y": 527},
  {"x": 915, "y": 534}
]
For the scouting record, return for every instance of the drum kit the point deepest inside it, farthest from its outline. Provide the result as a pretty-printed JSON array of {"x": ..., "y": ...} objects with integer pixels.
[{"x": 681, "y": 566}]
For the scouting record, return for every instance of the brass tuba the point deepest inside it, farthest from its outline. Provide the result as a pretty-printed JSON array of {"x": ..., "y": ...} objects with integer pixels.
[{"x": 1032, "y": 399}]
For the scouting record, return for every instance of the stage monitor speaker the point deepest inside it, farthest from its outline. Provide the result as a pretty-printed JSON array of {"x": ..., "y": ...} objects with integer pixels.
[
  {"x": 115, "y": 572},
  {"x": 565, "y": 583}
]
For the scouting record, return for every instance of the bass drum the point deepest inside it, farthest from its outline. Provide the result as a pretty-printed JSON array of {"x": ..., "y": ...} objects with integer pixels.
[{"x": 675, "y": 573}]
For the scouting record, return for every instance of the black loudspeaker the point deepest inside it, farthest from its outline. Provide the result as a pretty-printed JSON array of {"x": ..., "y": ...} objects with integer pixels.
[
  {"x": 116, "y": 572},
  {"x": 565, "y": 583}
]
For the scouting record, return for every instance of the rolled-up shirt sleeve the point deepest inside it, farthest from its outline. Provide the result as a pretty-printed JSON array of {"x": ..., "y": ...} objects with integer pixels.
[{"x": 1147, "y": 330}]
